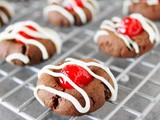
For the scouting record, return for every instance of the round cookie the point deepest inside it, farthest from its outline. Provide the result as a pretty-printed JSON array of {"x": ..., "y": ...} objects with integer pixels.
[
  {"x": 6, "y": 12},
  {"x": 69, "y": 12},
  {"x": 128, "y": 37},
  {"x": 148, "y": 8},
  {"x": 27, "y": 43},
  {"x": 75, "y": 87}
]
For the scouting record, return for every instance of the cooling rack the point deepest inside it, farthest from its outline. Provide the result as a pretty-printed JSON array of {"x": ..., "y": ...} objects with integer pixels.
[{"x": 138, "y": 79}]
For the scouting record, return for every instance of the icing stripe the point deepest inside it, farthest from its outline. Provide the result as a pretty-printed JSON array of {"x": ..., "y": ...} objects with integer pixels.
[
  {"x": 18, "y": 56},
  {"x": 116, "y": 19},
  {"x": 125, "y": 40},
  {"x": 8, "y": 7},
  {"x": 152, "y": 2},
  {"x": 77, "y": 9},
  {"x": 155, "y": 29},
  {"x": 54, "y": 1},
  {"x": 81, "y": 14},
  {"x": 84, "y": 65},
  {"x": 95, "y": 4},
  {"x": 107, "y": 28},
  {"x": 55, "y": 38},
  {"x": 4, "y": 17},
  {"x": 145, "y": 26},
  {"x": 29, "y": 32},
  {"x": 125, "y": 7},
  {"x": 90, "y": 8},
  {"x": 59, "y": 9},
  {"x": 99, "y": 33}
]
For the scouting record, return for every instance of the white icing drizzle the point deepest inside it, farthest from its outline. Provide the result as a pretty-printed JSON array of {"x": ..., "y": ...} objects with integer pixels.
[
  {"x": 100, "y": 33},
  {"x": 91, "y": 5},
  {"x": 116, "y": 19},
  {"x": 155, "y": 29},
  {"x": 67, "y": 96},
  {"x": 77, "y": 9},
  {"x": 4, "y": 17},
  {"x": 147, "y": 25},
  {"x": 152, "y": 2},
  {"x": 8, "y": 7},
  {"x": 90, "y": 8},
  {"x": 125, "y": 7},
  {"x": 11, "y": 33},
  {"x": 95, "y": 4},
  {"x": 59, "y": 9},
  {"x": 18, "y": 56},
  {"x": 54, "y": 1}
]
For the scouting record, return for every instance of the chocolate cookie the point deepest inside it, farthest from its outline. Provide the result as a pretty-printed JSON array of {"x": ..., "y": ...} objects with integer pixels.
[
  {"x": 6, "y": 12},
  {"x": 148, "y": 8},
  {"x": 69, "y": 12},
  {"x": 75, "y": 87},
  {"x": 27, "y": 43},
  {"x": 129, "y": 37}
]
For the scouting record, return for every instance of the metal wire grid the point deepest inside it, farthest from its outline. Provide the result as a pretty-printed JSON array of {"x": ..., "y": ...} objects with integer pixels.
[{"x": 139, "y": 98}]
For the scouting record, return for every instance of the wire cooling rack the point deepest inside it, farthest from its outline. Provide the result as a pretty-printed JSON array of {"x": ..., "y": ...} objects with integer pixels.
[{"x": 138, "y": 79}]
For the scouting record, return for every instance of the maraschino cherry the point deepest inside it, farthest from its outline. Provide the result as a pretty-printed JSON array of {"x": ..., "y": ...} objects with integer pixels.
[
  {"x": 22, "y": 33},
  {"x": 130, "y": 26},
  {"x": 79, "y": 3},
  {"x": 77, "y": 74}
]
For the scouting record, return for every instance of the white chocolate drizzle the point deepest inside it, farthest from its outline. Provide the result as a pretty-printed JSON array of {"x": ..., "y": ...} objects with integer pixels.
[
  {"x": 73, "y": 100},
  {"x": 77, "y": 9},
  {"x": 54, "y": 1},
  {"x": 3, "y": 15},
  {"x": 59, "y": 9},
  {"x": 8, "y": 7},
  {"x": 11, "y": 33},
  {"x": 92, "y": 6},
  {"x": 152, "y": 2},
  {"x": 17, "y": 56},
  {"x": 147, "y": 25},
  {"x": 125, "y": 7}
]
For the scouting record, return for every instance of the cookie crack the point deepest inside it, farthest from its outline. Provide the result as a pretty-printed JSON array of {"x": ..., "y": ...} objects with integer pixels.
[
  {"x": 92, "y": 100},
  {"x": 24, "y": 49},
  {"x": 107, "y": 94},
  {"x": 55, "y": 102}
]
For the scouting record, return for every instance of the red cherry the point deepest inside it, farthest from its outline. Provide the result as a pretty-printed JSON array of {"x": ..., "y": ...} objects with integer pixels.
[
  {"x": 26, "y": 35},
  {"x": 79, "y": 3},
  {"x": 69, "y": 7},
  {"x": 130, "y": 26},
  {"x": 77, "y": 74}
]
